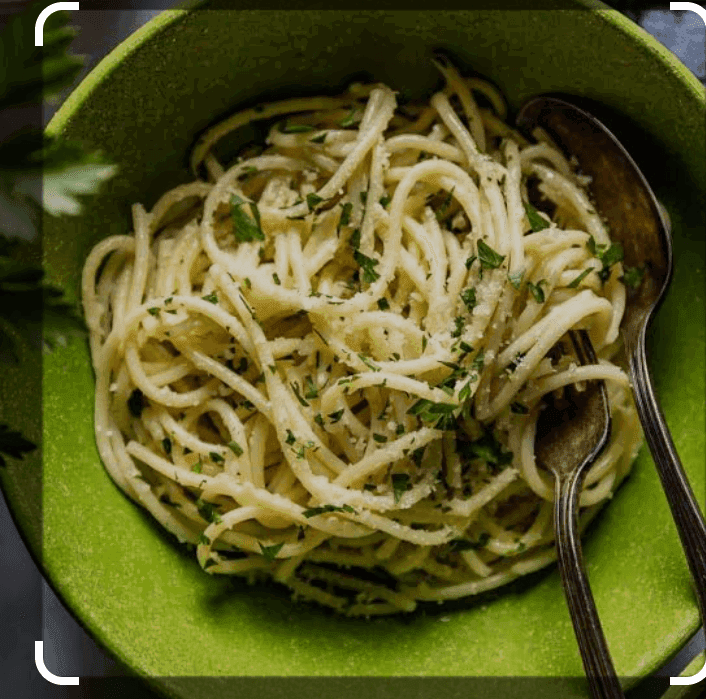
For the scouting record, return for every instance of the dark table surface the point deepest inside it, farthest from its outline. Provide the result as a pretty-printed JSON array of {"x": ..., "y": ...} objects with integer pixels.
[{"x": 68, "y": 650}]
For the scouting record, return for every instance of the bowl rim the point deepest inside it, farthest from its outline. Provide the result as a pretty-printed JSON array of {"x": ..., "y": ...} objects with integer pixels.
[{"x": 101, "y": 71}]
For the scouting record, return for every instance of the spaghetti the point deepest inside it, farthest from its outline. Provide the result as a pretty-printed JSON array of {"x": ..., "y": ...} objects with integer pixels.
[{"x": 324, "y": 364}]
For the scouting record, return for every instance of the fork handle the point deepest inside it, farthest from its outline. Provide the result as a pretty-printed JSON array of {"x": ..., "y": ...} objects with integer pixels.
[
  {"x": 685, "y": 510},
  {"x": 600, "y": 672}
]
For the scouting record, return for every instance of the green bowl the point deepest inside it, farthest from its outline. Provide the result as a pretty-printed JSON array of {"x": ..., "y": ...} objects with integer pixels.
[{"x": 139, "y": 594}]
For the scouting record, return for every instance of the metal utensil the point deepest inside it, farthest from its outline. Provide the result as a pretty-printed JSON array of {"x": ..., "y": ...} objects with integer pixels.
[
  {"x": 623, "y": 196},
  {"x": 570, "y": 436}
]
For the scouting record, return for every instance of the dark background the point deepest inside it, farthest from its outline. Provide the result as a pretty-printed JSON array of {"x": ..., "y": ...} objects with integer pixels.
[{"x": 29, "y": 610}]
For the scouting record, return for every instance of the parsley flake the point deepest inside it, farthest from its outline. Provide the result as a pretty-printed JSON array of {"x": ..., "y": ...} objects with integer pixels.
[
  {"x": 401, "y": 483},
  {"x": 489, "y": 259},
  {"x": 537, "y": 222},
  {"x": 270, "y": 552},
  {"x": 245, "y": 228}
]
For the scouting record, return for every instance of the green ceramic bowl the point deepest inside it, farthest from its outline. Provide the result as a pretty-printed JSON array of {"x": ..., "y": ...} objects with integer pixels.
[{"x": 146, "y": 600}]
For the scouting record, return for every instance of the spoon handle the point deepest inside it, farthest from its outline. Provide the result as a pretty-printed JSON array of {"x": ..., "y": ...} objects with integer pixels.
[
  {"x": 685, "y": 509},
  {"x": 595, "y": 655}
]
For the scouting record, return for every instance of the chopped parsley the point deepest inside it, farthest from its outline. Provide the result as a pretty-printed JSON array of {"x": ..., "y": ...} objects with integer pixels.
[
  {"x": 354, "y": 240},
  {"x": 245, "y": 228},
  {"x": 325, "y": 509},
  {"x": 310, "y": 390},
  {"x": 136, "y": 403},
  {"x": 479, "y": 361},
  {"x": 537, "y": 222},
  {"x": 346, "y": 214},
  {"x": 383, "y": 304},
  {"x": 368, "y": 362},
  {"x": 167, "y": 445},
  {"x": 235, "y": 448},
  {"x": 335, "y": 417},
  {"x": 428, "y": 411},
  {"x": 468, "y": 296},
  {"x": 632, "y": 277},
  {"x": 295, "y": 388},
  {"x": 379, "y": 438},
  {"x": 444, "y": 208},
  {"x": 607, "y": 254},
  {"x": 275, "y": 279},
  {"x": 516, "y": 279},
  {"x": 320, "y": 138},
  {"x": 270, "y": 552},
  {"x": 470, "y": 261},
  {"x": 458, "y": 326},
  {"x": 575, "y": 282},
  {"x": 313, "y": 200},
  {"x": 401, "y": 483},
  {"x": 489, "y": 259},
  {"x": 290, "y": 437},
  {"x": 197, "y": 467},
  {"x": 385, "y": 201},
  {"x": 207, "y": 510},
  {"x": 489, "y": 449},
  {"x": 366, "y": 264},
  {"x": 348, "y": 120},
  {"x": 215, "y": 457},
  {"x": 536, "y": 290},
  {"x": 211, "y": 297},
  {"x": 153, "y": 311},
  {"x": 319, "y": 419}
]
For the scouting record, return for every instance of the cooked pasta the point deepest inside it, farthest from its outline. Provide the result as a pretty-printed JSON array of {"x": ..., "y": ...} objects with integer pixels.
[{"x": 323, "y": 363}]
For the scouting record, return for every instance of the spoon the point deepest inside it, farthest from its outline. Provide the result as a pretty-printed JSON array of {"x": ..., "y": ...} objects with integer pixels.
[
  {"x": 623, "y": 196},
  {"x": 569, "y": 438}
]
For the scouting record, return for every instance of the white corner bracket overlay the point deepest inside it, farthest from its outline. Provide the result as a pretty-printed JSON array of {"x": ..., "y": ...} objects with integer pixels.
[
  {"x": 39, "y": 662},
  {"x": 701, "y": 12},
  {"x": 55, "y": 7}
]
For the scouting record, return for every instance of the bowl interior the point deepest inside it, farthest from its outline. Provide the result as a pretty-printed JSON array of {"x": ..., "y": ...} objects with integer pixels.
[{"x": 141, "y": 595}]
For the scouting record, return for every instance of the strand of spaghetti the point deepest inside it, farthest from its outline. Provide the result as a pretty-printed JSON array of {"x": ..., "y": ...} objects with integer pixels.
[
  {"x": 385, "y": 456},
  {"x": 470, "y": 108},
  {"x": 290, "y": 106}
]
